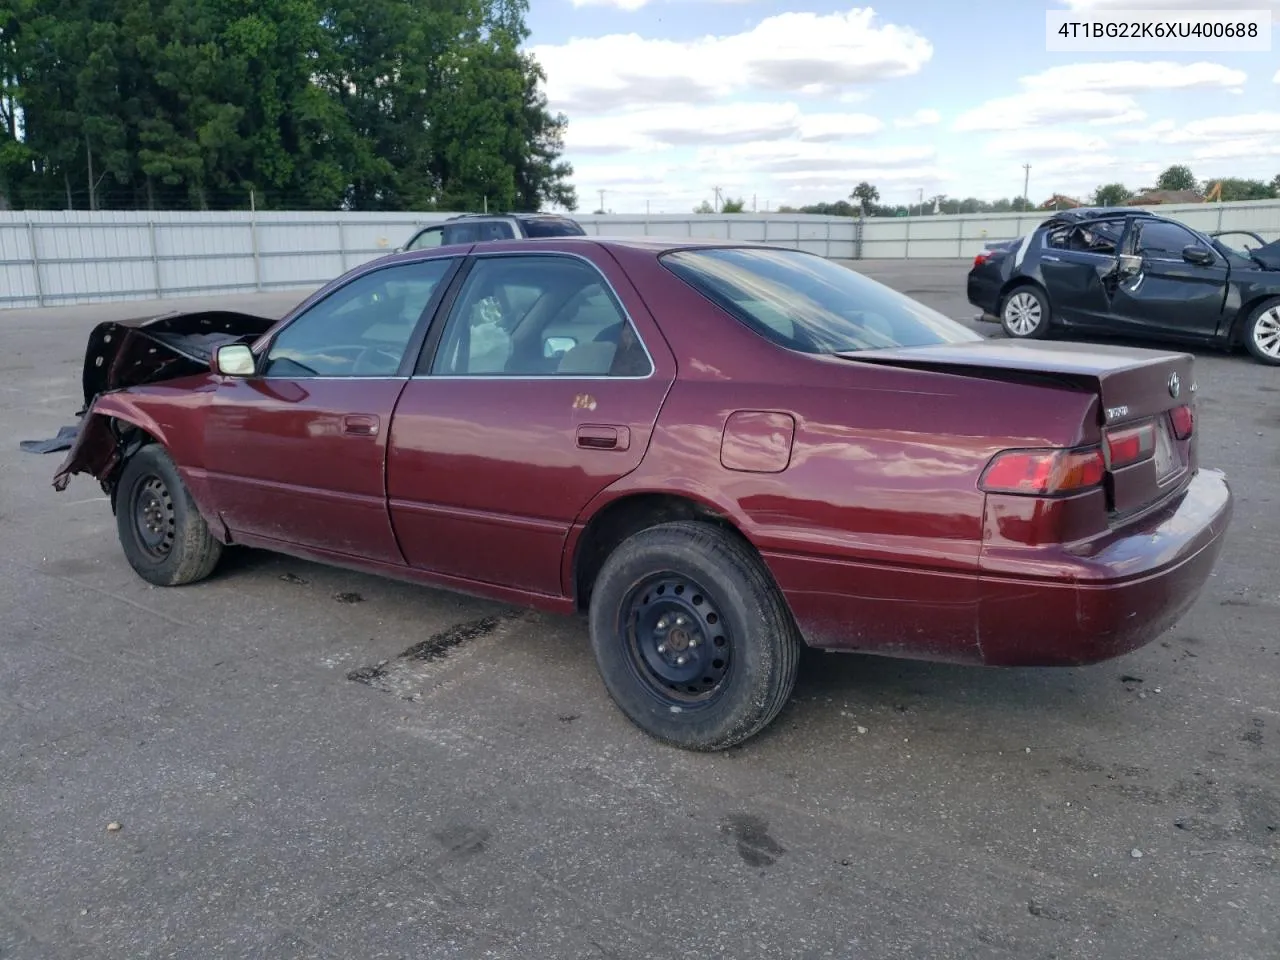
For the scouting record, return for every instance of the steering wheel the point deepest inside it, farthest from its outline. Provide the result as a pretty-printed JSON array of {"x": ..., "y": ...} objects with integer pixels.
[{"x": 376, "y": 360}]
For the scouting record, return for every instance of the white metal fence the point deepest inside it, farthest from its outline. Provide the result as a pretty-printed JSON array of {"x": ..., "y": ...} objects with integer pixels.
[{"x": 50, "y": 258}]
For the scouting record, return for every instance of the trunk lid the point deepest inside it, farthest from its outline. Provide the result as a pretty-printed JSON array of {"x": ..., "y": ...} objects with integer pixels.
[{"x": 1146, "y": 399}]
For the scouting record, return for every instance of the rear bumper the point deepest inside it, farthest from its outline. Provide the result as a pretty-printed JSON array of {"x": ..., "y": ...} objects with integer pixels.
[
  {"x": 1084, "y": 607},
  {"x": 1120, "y": 596},
  {"x": 984, "y": 291}
]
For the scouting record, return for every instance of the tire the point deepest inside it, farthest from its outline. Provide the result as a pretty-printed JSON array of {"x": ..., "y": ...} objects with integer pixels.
[
  {"x": 1262, "y": 332},
  {"x": 1025, "y": 314},
  {"x": 736, "y": 633},
  {"x": 164, "y": 538}
]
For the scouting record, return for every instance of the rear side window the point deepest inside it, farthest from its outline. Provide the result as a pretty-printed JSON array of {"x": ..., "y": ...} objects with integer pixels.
[
  {"x": 804, "y": 302},
  {"x": 553, "y": 227}
]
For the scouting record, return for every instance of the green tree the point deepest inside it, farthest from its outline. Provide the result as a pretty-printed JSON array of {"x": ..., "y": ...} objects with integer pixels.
[
  {"x": 1111, "y": 195},
  {"x": 866, "y": 194},
  {"x": 1177, "y": 177},
  {"x": 704, "y": 207},
  {"x": 733, "y": 206},
  {"x": 1234, "y": 188}
]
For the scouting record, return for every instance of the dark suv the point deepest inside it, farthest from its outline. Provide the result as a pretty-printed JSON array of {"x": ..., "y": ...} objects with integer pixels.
[{"x": 478, "y": 227}]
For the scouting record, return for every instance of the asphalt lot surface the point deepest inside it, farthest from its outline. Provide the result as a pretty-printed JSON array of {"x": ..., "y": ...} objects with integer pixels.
[{"x": 489, "y": 800}]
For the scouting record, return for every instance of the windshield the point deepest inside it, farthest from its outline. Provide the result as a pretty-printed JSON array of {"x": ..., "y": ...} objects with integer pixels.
[
  {"x": 806, "y": 303},
  {"x": 553, "y": 227}
]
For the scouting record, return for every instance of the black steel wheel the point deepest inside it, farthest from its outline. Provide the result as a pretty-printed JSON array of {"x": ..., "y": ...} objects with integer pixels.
[
  {"x": 692, "y": 637},
  {"x": 163, "y": 536},
  {"x": 680, "y": 645}
]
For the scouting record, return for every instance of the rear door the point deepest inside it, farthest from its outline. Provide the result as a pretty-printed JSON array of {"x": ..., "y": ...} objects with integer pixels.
[
  {"x": 1073, "y": 263},
  {"x": 540, "y": 388},
  {"x": 1169, "y": 295}
]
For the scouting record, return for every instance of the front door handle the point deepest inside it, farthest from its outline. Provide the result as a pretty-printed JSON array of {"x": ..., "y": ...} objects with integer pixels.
[
  {"x": 596, "y": 436},
  {"x": 360, "y": 425}
]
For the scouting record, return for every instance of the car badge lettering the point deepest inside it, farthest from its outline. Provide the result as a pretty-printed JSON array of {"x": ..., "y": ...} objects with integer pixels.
[{"x": 1175, "y": 386}]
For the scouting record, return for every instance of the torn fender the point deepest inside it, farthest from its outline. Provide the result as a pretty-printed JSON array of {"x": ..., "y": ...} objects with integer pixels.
[{"x": 125, "y": 353}]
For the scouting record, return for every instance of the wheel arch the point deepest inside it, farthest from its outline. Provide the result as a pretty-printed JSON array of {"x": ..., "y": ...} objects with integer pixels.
[
  {"x": 628, "y": 514},
  {"x": 1245, "y": 314},
  {"x": 1021, "y": 281}
]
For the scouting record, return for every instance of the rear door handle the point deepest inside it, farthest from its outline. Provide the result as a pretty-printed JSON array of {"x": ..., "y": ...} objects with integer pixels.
[
  {"x": 360, "y": 425},
  {"x": 594, "y": 436}
]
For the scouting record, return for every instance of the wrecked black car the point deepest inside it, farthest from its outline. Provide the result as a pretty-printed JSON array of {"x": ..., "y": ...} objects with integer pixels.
[{"x": 1127, "y": 272}]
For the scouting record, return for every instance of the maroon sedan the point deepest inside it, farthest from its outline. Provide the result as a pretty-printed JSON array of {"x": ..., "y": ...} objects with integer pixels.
[{"x": 718, "y": 452}]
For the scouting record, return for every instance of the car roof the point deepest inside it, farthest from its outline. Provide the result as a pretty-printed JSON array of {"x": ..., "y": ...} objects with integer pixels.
[
  {"x": 507, "y": 216},
  {"x": 655, "y": 245},
  {"x": 1083, "y": 214}
]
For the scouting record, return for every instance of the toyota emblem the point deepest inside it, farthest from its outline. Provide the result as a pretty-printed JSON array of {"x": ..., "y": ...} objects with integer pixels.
[{"x": 1175, "y": 386}]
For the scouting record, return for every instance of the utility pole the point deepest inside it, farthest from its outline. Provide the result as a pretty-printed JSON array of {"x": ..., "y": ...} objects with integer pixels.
[
  {"x": 601, "y": 201},
  {"x": 753, "y": 203},
  {"x": 646, "y": 208},
  {"x": 1026, "y": 183}
]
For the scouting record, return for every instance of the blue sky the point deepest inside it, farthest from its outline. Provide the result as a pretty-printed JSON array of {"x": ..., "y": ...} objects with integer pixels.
[{"x": 792, "y": 103}]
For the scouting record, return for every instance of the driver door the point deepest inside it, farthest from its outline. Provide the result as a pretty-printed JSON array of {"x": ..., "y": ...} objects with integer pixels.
[
  {"x": 296, "y": 453},
  {"x": 1170, "y": 295}
]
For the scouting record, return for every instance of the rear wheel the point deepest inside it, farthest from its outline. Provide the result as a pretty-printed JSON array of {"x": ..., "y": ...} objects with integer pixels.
[
  {"x": 691, "y": 636},
  {"x": 1262, "y": 332},
  {"x": 164, "y": 538},
  {"x": 1024, "y": 315}
]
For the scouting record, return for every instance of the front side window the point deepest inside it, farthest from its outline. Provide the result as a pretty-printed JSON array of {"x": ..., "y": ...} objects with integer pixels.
[
  {"x": 362, "y": 329},
  {"x": 1164, "y": 241},
  {"x": 523, "y": 316},
  {"x": 807, "y": 303}
]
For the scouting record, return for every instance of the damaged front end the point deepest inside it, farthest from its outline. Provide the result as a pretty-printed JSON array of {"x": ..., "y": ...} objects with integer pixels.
[{"x": 128, "y": 353}]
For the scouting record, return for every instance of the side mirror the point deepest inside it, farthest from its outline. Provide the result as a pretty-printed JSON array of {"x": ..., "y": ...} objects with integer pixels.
[
  {"x": 234, "y": 360},
  {"x": 1130, "y": 265},
  {"x": 1195, "y": 253}
]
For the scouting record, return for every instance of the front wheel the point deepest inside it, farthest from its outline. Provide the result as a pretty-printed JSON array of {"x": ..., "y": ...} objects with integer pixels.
[
  {"x": 1025, "y": 313},
  {"x": 1262, "y": 332},
  {"x": 692, "y": 637},
  {"x": 164, "y": 538}
]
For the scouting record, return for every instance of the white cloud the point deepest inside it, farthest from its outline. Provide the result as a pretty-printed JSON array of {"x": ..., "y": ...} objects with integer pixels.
[
  {"x": 1149, "y": 134},
  {"x": 785, "y": 159},
  {"x": 1227, "y": 127},
  {"x": 1196, "y": 5},
  {"x": 1276, "y": 78},
  {"x": 1135, "y": 76},
  {"x": 921, "y": 118},
  {"x": 1043, "y": 143},
  {"x": 1043, "y": 107},
  {"x": 816, "y": 54},
  {"x": 731, "y": 123},
  {"x": 630, "y": 6},
  {"x": 1241, "y": 148}
]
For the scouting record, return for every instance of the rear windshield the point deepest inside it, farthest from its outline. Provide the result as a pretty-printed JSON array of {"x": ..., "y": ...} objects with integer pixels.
[
  {"x": 553, "y": 228},
  {"x": 807, "y": 303}
]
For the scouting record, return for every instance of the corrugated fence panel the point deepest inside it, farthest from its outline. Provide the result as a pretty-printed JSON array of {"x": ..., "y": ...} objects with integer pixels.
[{"x": 80, "y": 257}]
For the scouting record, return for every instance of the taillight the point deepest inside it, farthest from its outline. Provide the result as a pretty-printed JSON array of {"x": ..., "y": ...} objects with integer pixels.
[
  {"x": 982, "y": 258},
  {"x": 1127, "y": 447},
  {"x": 1184, "y": 421},
  {"x": 1043, "y": 473}
]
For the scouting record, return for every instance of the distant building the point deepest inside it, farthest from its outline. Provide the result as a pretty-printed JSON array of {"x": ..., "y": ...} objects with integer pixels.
[
  {"x": 1060, "y": 202},
  {"x": 1153, "y": 197}
]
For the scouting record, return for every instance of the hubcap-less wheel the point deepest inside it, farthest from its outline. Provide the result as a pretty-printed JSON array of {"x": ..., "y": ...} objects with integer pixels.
[
  {"x": 678, "y": 643},
  {"x": 155, "y": 524},
  {"x": 1266, "y": 333},
  {"x": 1022, "y": 314}
]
